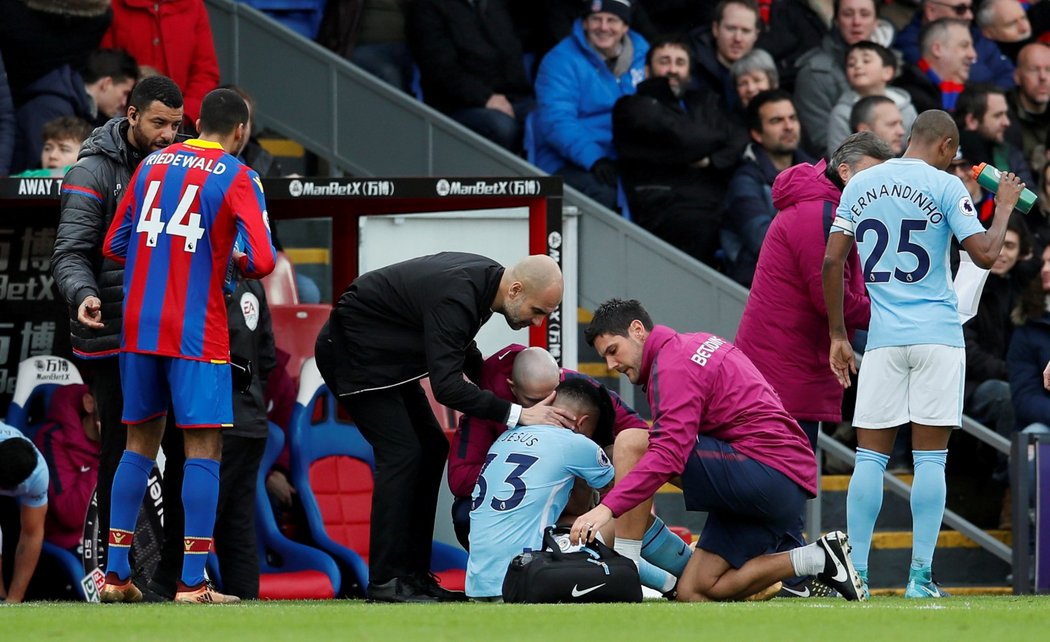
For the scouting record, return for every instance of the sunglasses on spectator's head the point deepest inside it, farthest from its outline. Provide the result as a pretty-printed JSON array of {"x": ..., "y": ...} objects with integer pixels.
[{"x": 958, "y": 9}]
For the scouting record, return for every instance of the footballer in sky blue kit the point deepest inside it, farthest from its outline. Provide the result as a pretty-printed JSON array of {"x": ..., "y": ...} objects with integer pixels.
[
  {"x": 903, "y": 214},
  {"x": 524, "y": 486},
  {"x": 23, "y": 476},
  {"x": 904, "y": 248}
]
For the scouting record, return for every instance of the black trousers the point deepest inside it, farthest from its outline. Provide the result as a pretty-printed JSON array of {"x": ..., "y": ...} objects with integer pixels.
[
  {"x": 235, "y": 522},
  {"x": 410, "y": 452},
  {"x": 109, "y": 401}
]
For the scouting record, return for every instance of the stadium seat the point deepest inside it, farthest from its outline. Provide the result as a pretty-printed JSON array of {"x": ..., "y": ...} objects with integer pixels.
[
  {"x": 528, "y": 141},
  {"x": 301, "y": 16},
  {"x": 332, "y": 469},
  {"x": 38, "y": 378},
  {"x": 279, "y": 285},
  {"x": 70, "y": 564},
  {"x": 683, "y": 532},
  {"x": 288, "y": 570},
  {"x": 295, "y": 330},
  {"x": 621, "y": 200}
]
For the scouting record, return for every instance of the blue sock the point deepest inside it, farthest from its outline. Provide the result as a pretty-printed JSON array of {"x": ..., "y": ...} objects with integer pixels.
[
  {"x": 129, "y": 486},
  {"x": 927, "y": 505},
  {"x": 200, "y": 498},
  {"x": 863, "y": 503},
  {"x": 655, "y": 577},
  {"x": 665, "y": 549}
]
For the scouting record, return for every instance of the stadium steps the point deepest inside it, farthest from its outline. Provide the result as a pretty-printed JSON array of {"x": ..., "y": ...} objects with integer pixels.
[
  {"x": 290, "y": 154},
  {"x": 960, "y": 563}
]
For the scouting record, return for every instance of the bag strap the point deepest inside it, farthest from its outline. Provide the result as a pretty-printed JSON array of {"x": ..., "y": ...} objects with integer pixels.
[
  {"x": 597, "y": 546},
  {"x": 550, "y": 543},
  {"x": 604, "y": 552}
]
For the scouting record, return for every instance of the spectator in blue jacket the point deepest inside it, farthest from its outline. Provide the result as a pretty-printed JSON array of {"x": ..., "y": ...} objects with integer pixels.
[
  {"x": 991, "y": 66},
  {"x": 776, "y": 135},
  {"x": 578, "y": 83},
  {"x": 7, "y": 122}
]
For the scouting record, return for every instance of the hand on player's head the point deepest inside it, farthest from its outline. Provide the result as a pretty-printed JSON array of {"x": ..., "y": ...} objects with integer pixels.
[{"x": 545, "y": 414}]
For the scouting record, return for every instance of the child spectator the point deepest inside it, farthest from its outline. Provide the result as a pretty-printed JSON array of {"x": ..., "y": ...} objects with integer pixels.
[
  {"x": 869, "y": 69},
  {"x": 62, "y": 139}
]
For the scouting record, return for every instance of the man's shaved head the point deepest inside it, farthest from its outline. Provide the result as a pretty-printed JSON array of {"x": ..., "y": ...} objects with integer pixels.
[
  {"x": 534, "y": 376},
  {"x": 536, "y": 272},
  {"x": 932, "y": 126},
  {"x": 529, "y": 291},
  {"x": 934, "y": 138}
]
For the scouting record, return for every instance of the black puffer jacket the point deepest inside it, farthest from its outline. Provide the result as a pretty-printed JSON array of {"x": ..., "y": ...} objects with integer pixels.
[
  {"x": 410, "y": 320},
  {"x": 90, "y": 193}
]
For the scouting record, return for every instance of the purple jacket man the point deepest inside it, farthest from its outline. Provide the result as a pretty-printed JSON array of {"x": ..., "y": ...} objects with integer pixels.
[
  {"x": 720, "y": 433},
  {"x": 784, "y": 326}
]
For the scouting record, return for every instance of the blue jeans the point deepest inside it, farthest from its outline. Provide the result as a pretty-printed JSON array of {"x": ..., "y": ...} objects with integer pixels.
[
  {"x": 495, "y": 125},
  {"x": 991, "y": 403},
  {"x": 390, "y": 62},
  {"x": 588, "y": 183}
]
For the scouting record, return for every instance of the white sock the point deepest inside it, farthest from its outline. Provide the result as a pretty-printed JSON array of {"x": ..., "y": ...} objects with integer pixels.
[
  {"x": 630, "y": 548},
  {"x": 807, "y": 560}
]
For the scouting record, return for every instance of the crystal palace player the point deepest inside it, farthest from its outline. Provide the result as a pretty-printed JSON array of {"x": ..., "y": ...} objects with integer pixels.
[{"x": 175, "y": 228}]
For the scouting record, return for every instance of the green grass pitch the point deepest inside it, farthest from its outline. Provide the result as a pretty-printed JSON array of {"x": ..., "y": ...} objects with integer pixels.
[{"x": 957, "y": 619}]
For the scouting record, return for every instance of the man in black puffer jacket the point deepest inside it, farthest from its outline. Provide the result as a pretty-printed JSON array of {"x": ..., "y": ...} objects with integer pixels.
[{"x": 93, "y": 286}]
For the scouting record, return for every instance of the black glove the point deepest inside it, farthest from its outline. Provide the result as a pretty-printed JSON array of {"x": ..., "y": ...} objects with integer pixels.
[
  {"x": 242, "y": 374},
  {"x": 604, "y": 169}
]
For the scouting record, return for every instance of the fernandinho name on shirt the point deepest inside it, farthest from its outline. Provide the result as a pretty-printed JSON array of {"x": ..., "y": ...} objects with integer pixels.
[
  {"x": 905, "y": 192},
  {"x": 188, "y": 161}
]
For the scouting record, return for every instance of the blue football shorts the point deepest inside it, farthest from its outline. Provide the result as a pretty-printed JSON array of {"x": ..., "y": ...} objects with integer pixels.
[{"x": 201, "y": 392}]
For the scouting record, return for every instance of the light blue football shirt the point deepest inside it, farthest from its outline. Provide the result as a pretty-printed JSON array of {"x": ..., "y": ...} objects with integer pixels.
[
  {"x": 903, "y": 214},
  {"x": 33, "y": 491},
  {"x": 523, "y": 488}
]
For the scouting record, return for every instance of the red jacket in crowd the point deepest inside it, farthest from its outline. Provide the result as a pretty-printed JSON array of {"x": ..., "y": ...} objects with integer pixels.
[{"x": 172, "y": 36}]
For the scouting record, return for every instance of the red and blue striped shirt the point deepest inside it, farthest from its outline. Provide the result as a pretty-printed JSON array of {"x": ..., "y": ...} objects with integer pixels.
[{"x": 174, "y": 229}]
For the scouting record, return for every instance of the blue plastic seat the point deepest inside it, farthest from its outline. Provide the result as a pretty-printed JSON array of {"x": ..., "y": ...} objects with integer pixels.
[
  {"x": 301, "y": 16},
  {"x": 38, "y": 378},
  {"x": 288, "y": 570}
]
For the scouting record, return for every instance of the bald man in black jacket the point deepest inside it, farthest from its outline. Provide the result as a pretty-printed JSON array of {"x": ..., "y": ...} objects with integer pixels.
[{"x": 392, "y": 327}]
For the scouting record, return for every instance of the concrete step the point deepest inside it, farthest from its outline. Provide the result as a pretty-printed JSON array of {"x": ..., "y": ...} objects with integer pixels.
[
  {"x": 289, "y": 154},
  {"x": 959, "y": 561}
]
